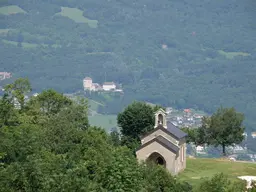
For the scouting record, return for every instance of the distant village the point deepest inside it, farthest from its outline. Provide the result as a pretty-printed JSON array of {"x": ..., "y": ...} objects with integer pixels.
[
  {"x": 89, "y": 85},
  {"x": 186, "y": 118},
  {"x": 192, "y": 119}
]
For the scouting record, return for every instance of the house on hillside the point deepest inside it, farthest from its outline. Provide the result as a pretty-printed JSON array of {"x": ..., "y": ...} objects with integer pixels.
[
  {"x": 164, "y": 145},
  {"x": 107, "y": 86},
  {"x": 87, "y": 83}
]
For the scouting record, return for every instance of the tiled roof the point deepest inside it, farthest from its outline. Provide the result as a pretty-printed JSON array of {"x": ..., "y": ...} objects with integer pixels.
[{"x": 175, "y": 130}]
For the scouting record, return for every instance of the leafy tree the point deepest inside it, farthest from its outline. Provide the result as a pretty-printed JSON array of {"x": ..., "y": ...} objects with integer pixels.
[
  {"x": 123, "y": 172},
  {"x": 224, "y": 128},
  {"x": 195, "y": 136},
  {"x": 18, "y": 90},
  {"x": 8, "y": 114},
  {"x": 220, "y": 183},
  {"x": 50, "y": 102},
  {"x": 115, "y": 137},
  {"x": 136, "y": 119},
  {"x": 161, "y": 180}
]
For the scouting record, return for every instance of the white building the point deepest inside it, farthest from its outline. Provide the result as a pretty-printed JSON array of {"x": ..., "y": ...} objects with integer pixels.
[
  {"x": 107, "y": 86},
  {"x": 87, "y": 83}
]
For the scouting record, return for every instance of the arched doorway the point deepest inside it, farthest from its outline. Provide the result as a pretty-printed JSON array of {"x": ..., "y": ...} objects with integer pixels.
[{"x": 157, "y": 159}]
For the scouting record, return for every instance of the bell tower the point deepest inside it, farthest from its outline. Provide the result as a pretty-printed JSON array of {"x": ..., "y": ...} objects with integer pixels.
[{"x": 160, "y": 118}]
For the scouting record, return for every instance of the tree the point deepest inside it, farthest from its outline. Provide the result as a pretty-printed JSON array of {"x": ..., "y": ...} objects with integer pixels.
[
  {"x": 115, "y": 137},
  {"x": 220, "y": 183},
  {"x": 136, "y": 119},
  {"x": 223, "y": 128},
  {"x": 8, "y": 114},
  {"x": 50, "y": 102},
  {"x": 195, "y": 136},
  {"x": 18, "y": 90},
  {"x": 157, "y": 179}
]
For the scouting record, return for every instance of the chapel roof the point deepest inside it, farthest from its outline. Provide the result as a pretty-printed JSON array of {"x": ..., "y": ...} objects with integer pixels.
[
  {"x": 162, "y": 141},
  {"x": 171, "y": 130}
]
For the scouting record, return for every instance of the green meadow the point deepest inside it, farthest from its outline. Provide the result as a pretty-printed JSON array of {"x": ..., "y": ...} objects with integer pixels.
[{"x": 77, "y": 16}]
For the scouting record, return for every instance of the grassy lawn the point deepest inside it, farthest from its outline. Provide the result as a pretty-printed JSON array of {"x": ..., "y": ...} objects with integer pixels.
[
  {"x": 77, "y": 16},
  {"x": 231, "y": 55},
  {"x": 200, "y": 168},
  {"x": 105, "y": 121},
  {"x": 12, "y": 9},
  {"x": 28, "y": 45},
  {"x": 94, "y": 105}
]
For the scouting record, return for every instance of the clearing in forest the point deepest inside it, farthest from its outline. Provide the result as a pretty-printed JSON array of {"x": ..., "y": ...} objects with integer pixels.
[{"x": 77, "y": 16}]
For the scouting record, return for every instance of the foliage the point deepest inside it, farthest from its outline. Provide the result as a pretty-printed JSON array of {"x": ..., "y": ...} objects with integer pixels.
[
  {"x": 136, "y": 119},
  {"x": 220, "y": 183},
  {"x": 223, "y": 128},
  {"x": 53, "y": 148},
  {"x": 195, "y": 136},
  {"x": 161, "y": 181},
  {"x": 50, "y": 102},
  {"x": 115, "y": 137},
  {"x": 8, "y": 115},
  {"x": 18, "y": 90}
]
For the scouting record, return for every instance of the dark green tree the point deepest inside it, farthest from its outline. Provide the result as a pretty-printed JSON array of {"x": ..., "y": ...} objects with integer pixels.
[
  {"x": 115, "y": 137},
  {"x": 136, "y": 119},
  {"x": 220, "y": 183},
  {"x": 50, "y": 102},
  {"x": 18, "y": 90},
  {"x": 8, "y": 114},
  {"x": 195, "y": 136},
  {"x": 224, "y": 128}
]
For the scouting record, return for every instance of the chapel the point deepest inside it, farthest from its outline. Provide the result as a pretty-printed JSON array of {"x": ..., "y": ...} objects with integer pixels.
[{"x": 164, "y": 145}]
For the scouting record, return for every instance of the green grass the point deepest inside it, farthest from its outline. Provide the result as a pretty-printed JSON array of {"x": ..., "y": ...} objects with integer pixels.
[
  {"x": 12, "y": 9},
  {"x": 77, "y": 16},
  {"x": 94, "y": 105},
  {"x": 105, "y": 121},
  {"x": 231, "y": 55},
  {"x": 28, "y": 45},
  {"x": 10, "y": 42},
  {"x": 200, "y": 168}
]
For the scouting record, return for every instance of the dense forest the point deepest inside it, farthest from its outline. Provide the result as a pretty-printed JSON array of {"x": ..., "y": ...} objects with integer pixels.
[
  {"x": 47, "y": 144},
  {"x": 198, "y": 54}
]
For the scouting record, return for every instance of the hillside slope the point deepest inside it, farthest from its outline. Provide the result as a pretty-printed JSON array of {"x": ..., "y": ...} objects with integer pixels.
[
  {"x": 198, "y": 54},
  {"x": 198, "y": 169}
]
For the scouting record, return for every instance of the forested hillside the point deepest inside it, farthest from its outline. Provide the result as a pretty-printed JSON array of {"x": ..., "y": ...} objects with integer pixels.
[{"x": 198, "y": 53}]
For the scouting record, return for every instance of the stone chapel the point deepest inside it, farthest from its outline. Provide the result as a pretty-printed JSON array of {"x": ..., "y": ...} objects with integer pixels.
[{"x": 164, "y": 145}]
